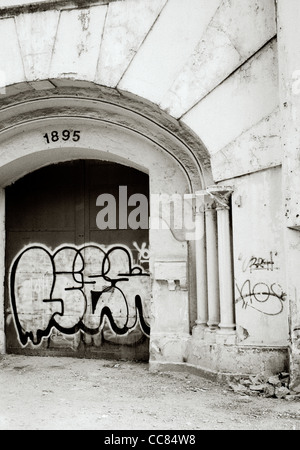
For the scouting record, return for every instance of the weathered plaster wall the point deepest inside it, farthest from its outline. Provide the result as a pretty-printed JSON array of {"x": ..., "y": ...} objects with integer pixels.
[
  {"x": 138, "y": 47},
  {"x": 212, "y": 66},
  {"x": 259, "y": 261},
  {"x": 289, "y": 65},
  {"x": 239, "y": 106}
]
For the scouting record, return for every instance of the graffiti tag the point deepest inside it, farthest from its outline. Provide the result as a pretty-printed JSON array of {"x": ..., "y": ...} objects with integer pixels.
[
  {"x": 265, "y": 298},
  {"x": 72, "y": 289},
  {"x": 143, "y": 252},
  {"x": 259, "y": 263}
]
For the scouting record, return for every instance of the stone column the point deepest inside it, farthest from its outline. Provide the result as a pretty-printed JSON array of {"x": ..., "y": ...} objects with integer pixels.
[
  {"x": 212, "y": 265},
  {"x": 201, "y": 276},
  {"x": 222, "y": 197}
]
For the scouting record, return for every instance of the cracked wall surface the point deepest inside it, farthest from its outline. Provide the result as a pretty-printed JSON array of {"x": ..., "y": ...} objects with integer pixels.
[
  {"x": 206, "y": 71},
  {"x": 177, "y": 55}
]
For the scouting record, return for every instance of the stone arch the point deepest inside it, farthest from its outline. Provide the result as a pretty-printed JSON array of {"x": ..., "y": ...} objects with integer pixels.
[
  {"x": 106, "y": 107},
  {"x": 121, "y": 128}
]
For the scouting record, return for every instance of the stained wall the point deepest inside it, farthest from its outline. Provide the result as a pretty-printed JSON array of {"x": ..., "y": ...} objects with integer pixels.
[{"x": 211, "y": 67}]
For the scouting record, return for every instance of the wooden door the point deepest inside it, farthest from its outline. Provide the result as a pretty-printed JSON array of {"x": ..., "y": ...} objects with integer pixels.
[{"x": 72, "y": 287}]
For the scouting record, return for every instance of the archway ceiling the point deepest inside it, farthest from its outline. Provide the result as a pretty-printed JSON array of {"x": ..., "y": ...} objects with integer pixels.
[{"x": 20, "y": 112}]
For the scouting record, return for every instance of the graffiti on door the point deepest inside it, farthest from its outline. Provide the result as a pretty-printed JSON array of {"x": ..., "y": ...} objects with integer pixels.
[
  {"x": 143, "y": 253},
  {"x": 72, "y": 289}
]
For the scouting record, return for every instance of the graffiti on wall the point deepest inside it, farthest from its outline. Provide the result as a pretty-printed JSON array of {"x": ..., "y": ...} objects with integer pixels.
[
  {"x": 71, "y": 289},
  {"x": 260, "y": 291},
  {"x": 255, "y": 263},
  {"x": 266, "y": 298},
  {"x": 143, "y": 253}
]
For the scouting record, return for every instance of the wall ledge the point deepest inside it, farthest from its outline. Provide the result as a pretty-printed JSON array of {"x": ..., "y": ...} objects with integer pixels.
[
  {"x": 272, "y": 360},
  {"x": 15, "y": 7}
]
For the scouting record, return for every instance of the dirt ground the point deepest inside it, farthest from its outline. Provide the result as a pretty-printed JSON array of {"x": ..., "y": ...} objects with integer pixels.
[{"x": 58, "y": 393}]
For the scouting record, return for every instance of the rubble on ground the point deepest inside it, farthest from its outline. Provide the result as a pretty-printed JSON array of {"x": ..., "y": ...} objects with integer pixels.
[{"x": 275, "y": 386}]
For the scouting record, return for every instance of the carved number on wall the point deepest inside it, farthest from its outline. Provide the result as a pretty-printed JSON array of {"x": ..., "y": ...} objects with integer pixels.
[{"x": 65, "y": 135}]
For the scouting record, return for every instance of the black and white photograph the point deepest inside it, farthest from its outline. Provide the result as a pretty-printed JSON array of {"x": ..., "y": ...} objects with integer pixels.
[{"x": 150, "y": 218}]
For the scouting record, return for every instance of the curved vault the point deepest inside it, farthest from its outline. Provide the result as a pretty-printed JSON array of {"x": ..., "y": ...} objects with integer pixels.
[{"x": 23, "y": 108}]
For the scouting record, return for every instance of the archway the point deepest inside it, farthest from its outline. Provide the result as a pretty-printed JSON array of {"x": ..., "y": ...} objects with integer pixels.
[{"x": 107, "y": 126}]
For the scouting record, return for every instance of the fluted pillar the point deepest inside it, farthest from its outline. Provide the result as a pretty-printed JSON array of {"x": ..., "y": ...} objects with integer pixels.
[
  {"x": 212, "y": 264},
  {"x": 222, "y": 197},
  {"x": 200, "y": 250}
]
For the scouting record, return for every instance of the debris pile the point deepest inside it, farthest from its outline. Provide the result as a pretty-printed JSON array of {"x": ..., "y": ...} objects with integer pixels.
[{"x": 275, "y": 386}]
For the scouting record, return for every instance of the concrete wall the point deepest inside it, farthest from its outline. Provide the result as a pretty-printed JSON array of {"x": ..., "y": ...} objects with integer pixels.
[
  {"x": 289, "y": 64},
  {"x": 211, "y": 67},
  {"x": 260, "y": 288}
]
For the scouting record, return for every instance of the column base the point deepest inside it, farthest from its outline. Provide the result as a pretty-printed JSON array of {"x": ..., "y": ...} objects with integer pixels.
[
  {"x": 199, "y": 330},
  {"x": 210, "y": 335},
  {"x": 226, "y": 336},
  {"x": 227, "y": 327}
]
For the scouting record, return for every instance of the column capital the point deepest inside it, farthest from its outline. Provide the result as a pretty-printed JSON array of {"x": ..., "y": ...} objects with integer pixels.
[
  {"x": 221, "y": 195},
  {"x": 201, "y": 198},
  {"x": 210, "y": 204}
]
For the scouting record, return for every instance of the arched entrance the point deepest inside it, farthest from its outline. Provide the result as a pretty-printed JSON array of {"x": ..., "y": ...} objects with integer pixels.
[
  {"x": 124, "y": 132},
  {"x": 77, "y": 263}
]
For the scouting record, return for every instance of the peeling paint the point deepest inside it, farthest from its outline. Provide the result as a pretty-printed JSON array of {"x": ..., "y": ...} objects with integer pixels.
[
  {"x": 242, "y": 333},
  {"x": 84, "y": 18}
]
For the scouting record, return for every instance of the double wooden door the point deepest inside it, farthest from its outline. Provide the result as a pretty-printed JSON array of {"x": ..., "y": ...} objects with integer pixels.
[{"x": 72, "y": 286}]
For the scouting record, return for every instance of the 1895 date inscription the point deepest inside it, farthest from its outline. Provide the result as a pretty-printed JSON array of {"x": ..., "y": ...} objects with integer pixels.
[{"x": 65, "y": 135}]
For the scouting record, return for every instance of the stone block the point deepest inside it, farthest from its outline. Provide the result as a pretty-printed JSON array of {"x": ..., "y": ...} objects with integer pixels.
[
  {"x": 171, "y": 271},
  {"x": 11, "y": 64},
  {"x": 126, "y": 26},
  {"x": 256, "y": 149},
  {"x": 269, "y": 391},
  {"x": 281, "y": 392},
  {"x": 257, "y": 387},
  {"x": 247, "y": 16},
  {"x": 221, "y": 50},
  {"x": 211, "y": 62},
  {"x": 77, "y": 43},
  {"x": 275, "y": 381},
  {"x": 240, "y": 102},
  {"x": 167, "y": 47},
  {"x": 36, "y": 33}
]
